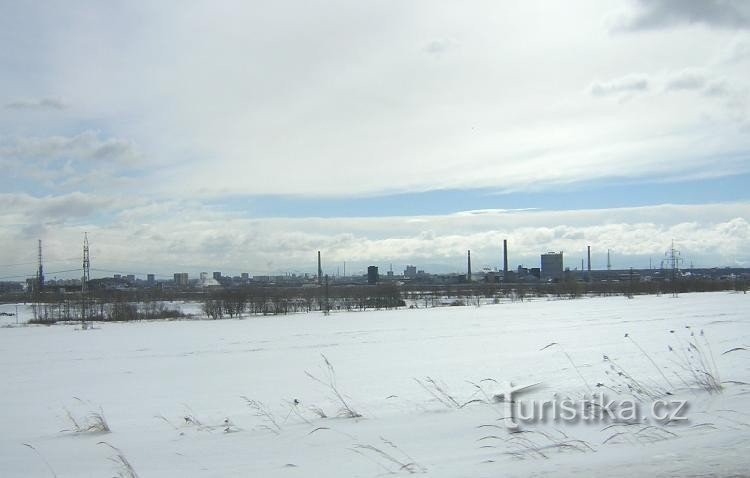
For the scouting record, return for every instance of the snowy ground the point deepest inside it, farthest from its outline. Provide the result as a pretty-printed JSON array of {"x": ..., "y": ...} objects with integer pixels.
[{"x": 166, "y": 389}]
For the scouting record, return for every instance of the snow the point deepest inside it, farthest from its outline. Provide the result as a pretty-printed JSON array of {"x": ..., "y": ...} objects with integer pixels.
[{"x": 166, "y": 389}]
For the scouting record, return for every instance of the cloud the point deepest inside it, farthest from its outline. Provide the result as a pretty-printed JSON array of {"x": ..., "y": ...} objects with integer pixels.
[
  {"x": 686, "y": 80},
  {"x": 86, "y": 161},
  {"x": 439, "y": 47},
  {"x": 55, "y": 209},
  {"x": 657, "y": 14},
  {"x": 337, "y": 99},
  {"x": 86, "y": 146},
  {"x": 625, "y": 84},
  {"x": 41, "y": 104},
  {"x": 166, "y": 238},
  {"x": 718, "y": 88},
  {"x": 738, "y": 51}
]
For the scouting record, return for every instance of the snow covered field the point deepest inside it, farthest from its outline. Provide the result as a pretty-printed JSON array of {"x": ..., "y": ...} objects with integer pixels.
[{"x": 172, "y": 392}]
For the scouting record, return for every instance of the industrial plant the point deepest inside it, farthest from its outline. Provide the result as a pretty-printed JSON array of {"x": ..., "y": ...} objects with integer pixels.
[{"x": 319, "y": 290}]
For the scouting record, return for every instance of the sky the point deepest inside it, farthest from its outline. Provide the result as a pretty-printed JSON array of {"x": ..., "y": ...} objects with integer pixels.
[{"x": 244, "y": 136}]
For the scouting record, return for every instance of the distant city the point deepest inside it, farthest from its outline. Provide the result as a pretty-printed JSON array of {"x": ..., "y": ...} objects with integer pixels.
[{"x": 551, "y": 270}]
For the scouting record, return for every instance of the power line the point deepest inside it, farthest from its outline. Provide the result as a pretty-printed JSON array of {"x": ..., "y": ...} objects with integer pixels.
[{"x": 26, "y": 276}]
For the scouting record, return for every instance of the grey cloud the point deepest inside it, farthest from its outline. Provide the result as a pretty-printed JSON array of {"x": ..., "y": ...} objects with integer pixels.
[
  {"x": 36, "y": 104},
  {"x": 85, "y": 146},
  {"x": 694, "y": 80},
  {"x": 55, "y": 208},
  {"x": 686, "y": 80},
  {"x": 73, "y": 205},
  {"x": 440, "y": 46},
  {"x": 656, "y": 14},
  {"x": 717, "y": 89},
  {"x": 625, "y": 84}
]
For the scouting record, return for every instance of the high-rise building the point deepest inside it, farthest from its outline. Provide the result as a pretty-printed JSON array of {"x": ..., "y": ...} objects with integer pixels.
[
  {"x": 181, "y": 279},
  {"x": 410, "y": 272},
  {"x": 505, "y": 256},
  {"x": 217, "y": 276},
  {"x": 372, "y": 275},
  {"x": 552, "y": 266}
]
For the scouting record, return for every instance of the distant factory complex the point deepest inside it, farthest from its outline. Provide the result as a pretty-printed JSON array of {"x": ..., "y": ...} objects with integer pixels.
[{"x": 551, "y": 270}]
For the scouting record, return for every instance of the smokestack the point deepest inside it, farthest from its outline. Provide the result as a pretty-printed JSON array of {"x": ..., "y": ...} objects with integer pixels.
[
  {"x": 505, "y": 256},
  {"x": 468, "y": 258},
  {"x": 320, "y": 270},
  {"x": 40, "y": 271},
  {"x": 589, "y": 255}
]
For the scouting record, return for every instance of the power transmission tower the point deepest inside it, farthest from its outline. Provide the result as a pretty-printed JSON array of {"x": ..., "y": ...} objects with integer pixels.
[
  {"x": 37, "y": 286},
  {"x": 673, "y": 259},
  {"x": 85, "y": 280}
]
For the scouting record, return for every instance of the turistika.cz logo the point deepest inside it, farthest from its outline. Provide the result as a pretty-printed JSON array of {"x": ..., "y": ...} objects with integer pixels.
[{"x": 594, "y": 408}]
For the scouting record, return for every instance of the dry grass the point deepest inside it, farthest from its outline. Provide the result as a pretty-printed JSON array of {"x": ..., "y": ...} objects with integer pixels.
[
  {"x": 124, "y": 467},
  {"x": 439, "y": 391},
  {"x": 393, "y": 461},
  {"x": 44, "y": 460},
  {"x": 92, "y": 422},
  {"x": 329, "y": 381},
  {"x": 694, "y": 357},
  {"x": 623, "y": 383},
  {"x": 635, "y": 433},
  {"x": 570, "y": 360},
  {"x": 534, "y": 444},
  {"x": 261, "y": 411}
]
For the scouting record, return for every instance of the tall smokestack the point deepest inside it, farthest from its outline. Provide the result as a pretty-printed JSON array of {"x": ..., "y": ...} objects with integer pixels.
[
  {"x": 468, "y": 273},
  {"x": 40, "y": 271},
  {"x": 505, "y": 256},
  {"x": 589, "y": 255},
  {"x": 320, "y": 270}
]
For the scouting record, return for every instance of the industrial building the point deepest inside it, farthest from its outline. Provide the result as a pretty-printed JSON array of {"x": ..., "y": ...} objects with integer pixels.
[
  {"x": 372, "y": 275},
  {"x": 552, "y": 266},
  {"x": 181, "y": 279}
]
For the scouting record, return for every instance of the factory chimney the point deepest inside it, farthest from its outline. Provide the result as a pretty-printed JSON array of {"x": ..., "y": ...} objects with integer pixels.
[
  {"x": 40, "y": 270},
  {"x": 589, "y": 256},
  {"x": 468, "y": 259},
  {"x": 320, "y": 270},
  {"x": 505, "y": 256}
]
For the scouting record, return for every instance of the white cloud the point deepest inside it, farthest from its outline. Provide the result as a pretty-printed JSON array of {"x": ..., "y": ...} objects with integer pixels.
[
  {"x": 343, "y": 99},
  {"x": 83, "y": 162},
  {"x": 206, "y": 239},
  {"x": 337, "y": 99},
  {"x": 626, "y": 84}
]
